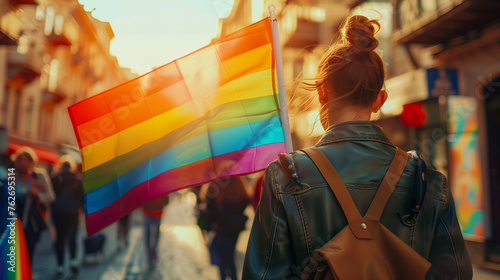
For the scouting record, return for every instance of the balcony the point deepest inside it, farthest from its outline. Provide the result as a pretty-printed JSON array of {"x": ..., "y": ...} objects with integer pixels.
[
  {"x": 300, "y": 25},
  {"x": 59, "y": 35},
  {"x": 55, "y": 40},
  {"x": 27, "y": 66},
  {"x": 49, "y": 97},
  {"x": 434, "y": 22},
  {"x": 56, "y": 91}
]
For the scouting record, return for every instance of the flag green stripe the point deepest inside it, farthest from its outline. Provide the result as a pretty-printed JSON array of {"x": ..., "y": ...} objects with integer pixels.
[{"x": 224, "y": 116}]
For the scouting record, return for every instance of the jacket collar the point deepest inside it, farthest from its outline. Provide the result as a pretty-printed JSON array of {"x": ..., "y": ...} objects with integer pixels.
[{"x": 354, "y": 131}]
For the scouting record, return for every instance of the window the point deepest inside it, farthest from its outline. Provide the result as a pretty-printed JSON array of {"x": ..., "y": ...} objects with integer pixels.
[
  {"x": 49, "y": 20},
  {"x": 59, "y": 24},
  {"x": 24, "y": 43},
  {"x": 28, "y": 112},
  {"x": 5, "y": 106},
  {"x": 15, "y": 107},
  {"x": 53, "y": 73},
  {"x": 40, "y": 13}
]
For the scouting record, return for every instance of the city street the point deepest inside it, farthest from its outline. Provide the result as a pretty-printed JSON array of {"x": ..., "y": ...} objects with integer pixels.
[{"x": 182, "y": 253}]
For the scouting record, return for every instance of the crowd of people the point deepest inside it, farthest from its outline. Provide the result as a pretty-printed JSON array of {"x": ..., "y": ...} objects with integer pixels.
[
  {"x": 44, "y": 202},
  {"x": 54, "y": 203}
]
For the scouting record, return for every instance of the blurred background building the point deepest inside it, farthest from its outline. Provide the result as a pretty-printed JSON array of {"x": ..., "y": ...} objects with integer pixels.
[
  {"x": 52, "y": 54},
  {"x": 443, "y": 77}
]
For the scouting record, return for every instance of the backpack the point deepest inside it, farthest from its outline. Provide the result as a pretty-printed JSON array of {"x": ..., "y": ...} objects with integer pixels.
[{"x": 364, "y": 249}]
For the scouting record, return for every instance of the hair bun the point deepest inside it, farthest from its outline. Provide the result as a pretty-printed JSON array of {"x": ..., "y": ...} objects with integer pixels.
[{"x": 359, "y": 32}]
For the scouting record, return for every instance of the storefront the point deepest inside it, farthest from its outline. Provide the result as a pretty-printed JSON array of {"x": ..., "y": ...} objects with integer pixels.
[{"x": 444, "y": 125}]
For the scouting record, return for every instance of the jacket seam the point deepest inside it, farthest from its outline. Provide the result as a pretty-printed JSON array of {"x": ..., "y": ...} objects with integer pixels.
[
  {"x": 362, "y": 187},
  {"x": 304, "y": 223},
  {"x": 270, "y": 244},
  {"x": 413, "y": 231},
  {"x": 452, "y": 246},
  {"x": 325, "y": 142},
  {"x": 444, "y": 185}
]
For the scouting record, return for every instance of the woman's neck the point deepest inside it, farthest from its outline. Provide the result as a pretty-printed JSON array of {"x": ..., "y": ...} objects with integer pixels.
[{"x": 348, "y": 114}]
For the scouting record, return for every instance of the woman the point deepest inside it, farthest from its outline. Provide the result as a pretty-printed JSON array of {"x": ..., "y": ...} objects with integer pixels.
[
  {"x": 299, "y": 213},
  {"x": 65, "y": 210},
  {"x": 33, "y": 195}
]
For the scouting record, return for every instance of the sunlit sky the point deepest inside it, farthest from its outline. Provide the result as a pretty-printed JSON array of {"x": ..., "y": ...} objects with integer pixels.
[{"x": 151, "y": 33}]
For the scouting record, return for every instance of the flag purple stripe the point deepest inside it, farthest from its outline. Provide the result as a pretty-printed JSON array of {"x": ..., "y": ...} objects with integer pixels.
[{"x": 247, "y": 161}]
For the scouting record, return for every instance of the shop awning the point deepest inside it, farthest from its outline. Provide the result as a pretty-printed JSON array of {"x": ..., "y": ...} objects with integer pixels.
[
  {"x": 44, "y": 154},
  {"x": 458, "y": 18}
]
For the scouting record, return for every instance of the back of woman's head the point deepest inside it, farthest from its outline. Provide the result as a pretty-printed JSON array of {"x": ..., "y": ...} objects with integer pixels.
[{"x": 351, "y": 71}]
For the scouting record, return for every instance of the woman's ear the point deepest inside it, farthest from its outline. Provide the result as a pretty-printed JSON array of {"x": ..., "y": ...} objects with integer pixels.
[
  {"x": 322, "y": 96},
  {"x": 379, "y": 102}
]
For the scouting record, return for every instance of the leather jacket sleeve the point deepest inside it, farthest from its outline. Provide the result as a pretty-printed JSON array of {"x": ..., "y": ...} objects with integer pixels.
[
  {"x": 448, "y": 255},
  {"x": 269, "y": 253}
]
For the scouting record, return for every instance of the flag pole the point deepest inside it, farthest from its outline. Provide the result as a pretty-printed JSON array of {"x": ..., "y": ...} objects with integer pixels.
[{"x": 279, "y": 72}]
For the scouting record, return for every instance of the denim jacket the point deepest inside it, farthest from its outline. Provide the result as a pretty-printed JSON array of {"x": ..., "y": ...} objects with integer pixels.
[{"x": 298, "y": 214}]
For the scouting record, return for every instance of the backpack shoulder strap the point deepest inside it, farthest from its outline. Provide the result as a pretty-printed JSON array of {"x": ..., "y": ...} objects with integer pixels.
[
  {"x": 338, "y": 187},
  {"x": 335, "y": 182},
  {"x": 388, "y": 184}
]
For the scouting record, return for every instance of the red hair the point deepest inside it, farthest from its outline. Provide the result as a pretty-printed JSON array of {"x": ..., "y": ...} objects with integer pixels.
[{"x": 351, "y": 71}]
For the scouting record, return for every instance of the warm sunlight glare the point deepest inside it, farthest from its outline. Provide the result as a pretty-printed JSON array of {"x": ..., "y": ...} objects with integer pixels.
[{"x": 152, "y": 33}]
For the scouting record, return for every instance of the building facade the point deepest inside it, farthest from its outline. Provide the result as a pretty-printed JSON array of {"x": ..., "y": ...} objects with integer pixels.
[
  {"x": 53, "y": 54},
  {"x": 444, "y": 101}
]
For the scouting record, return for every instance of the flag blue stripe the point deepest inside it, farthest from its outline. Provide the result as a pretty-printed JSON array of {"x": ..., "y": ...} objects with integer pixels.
[{"x": 212, "y": 143}]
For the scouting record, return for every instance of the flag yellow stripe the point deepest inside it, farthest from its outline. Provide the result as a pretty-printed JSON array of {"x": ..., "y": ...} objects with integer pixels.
[{"x": 247, "y": 87}]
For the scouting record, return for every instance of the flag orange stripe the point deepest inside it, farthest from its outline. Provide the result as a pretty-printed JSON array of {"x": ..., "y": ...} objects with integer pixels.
[
  {"x": 133, "y": 114},
  {"x": 81, "y": 114},
  {"x": 170, "y": 97},
  {"x": 231, "y": 47}
]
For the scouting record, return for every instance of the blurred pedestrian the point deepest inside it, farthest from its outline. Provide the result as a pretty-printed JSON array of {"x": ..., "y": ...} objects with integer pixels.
[
  {"x": 227, "y": 200},
  {"x": 122, "y": 232},
  {"x": 298, "y": 212},
  {"x": 202, "y": 214},
  {"x": 65, "y": 211},
  {"x": 152, "y": 211},
  {"x": 34, "y": 193},
  {"x": 4, "y": 202}
]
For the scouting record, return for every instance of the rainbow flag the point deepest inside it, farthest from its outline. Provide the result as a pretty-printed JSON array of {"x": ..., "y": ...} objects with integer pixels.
[
  {"x": 15, "y": 261},
  {"x": 210, "y": 115}
]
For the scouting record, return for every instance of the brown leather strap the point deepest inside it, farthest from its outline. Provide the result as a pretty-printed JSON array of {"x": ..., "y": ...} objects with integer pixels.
[
  {"x": 335, "y": 182},
  {"x": 388, "y": 184},
  {"x": 338, "y": 187}
]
